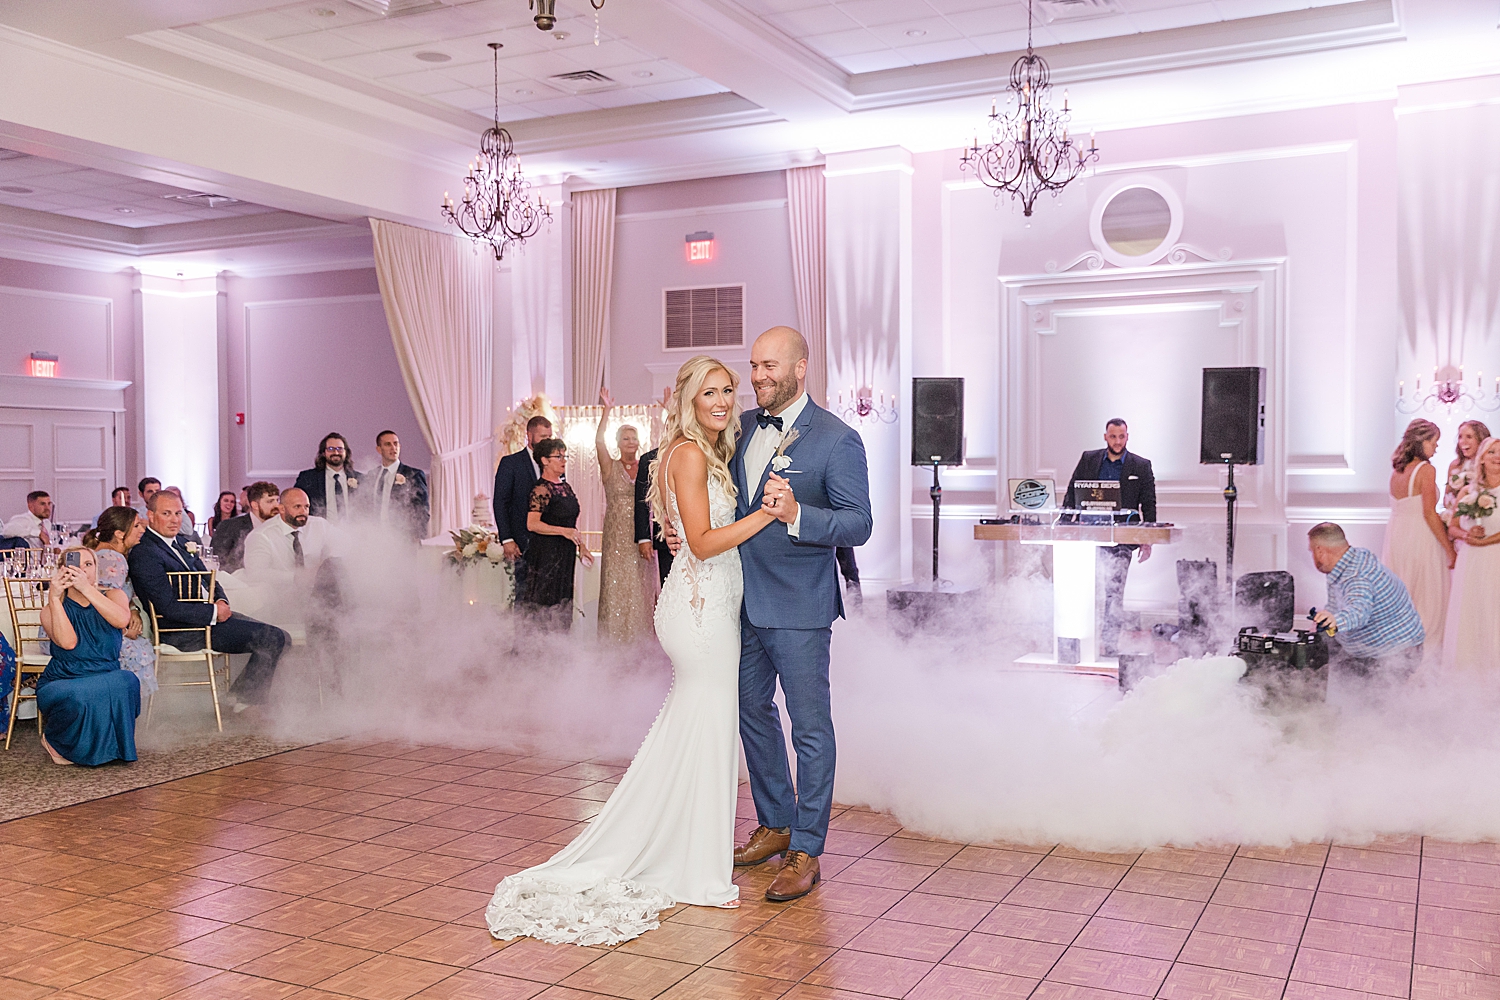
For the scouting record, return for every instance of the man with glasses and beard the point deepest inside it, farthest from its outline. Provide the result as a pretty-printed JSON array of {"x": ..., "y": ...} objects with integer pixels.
[{"x": 332, "y": 484}]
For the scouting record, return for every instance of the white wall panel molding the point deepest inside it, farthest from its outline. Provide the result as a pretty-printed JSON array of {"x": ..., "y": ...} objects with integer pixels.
[
  {"x": 78, "y": 328},
  {"x": 30, "y": 393},
  {"x": 1070, "y": 361}
]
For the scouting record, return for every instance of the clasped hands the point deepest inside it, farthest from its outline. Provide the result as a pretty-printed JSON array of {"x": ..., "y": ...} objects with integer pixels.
[{"x": 778, "y": 500}]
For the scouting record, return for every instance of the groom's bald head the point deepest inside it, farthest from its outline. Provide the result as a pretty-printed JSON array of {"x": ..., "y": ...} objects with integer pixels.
[{"x": 778, "y": 367}]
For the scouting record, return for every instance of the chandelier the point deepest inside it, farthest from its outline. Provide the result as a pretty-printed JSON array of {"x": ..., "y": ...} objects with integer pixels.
[
  {"x": 546, "y": 12},
  {"x": 497, "y": 206},
  {"x": 1450, "y": 392},
  {"x": 1029, "y": 151}
]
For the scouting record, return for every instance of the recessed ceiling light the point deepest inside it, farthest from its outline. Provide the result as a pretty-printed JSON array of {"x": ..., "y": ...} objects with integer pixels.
[
  {"x": 523, "y": 92},
  {"x": 434, "y": 57},
  {"x": 125, "y": 211},
  {"x": 561, "y": 36},
  {"x": 17, "y": 189},
  {"x": 916, "y": 33},
  {"x": 325, "y": 12},
  {"x": 644, "y": 74}
]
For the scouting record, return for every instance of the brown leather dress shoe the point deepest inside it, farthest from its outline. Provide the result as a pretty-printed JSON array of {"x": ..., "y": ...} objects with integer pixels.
[
  {"x": 763, "y": 843},
  {"x": 799, "y": 874}
]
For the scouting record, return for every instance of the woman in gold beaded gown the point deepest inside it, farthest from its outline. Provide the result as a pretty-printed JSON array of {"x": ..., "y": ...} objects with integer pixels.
[{"x": 624, "y": 608}]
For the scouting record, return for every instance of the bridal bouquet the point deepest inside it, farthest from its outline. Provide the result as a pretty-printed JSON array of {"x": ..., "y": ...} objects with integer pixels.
[
  {"x": 474, "y": 544},
  {"x": 1475, "y": 505}
]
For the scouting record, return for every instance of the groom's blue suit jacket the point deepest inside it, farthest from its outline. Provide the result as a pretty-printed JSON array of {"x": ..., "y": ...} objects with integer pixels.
[{"x": 793, "y": 583}]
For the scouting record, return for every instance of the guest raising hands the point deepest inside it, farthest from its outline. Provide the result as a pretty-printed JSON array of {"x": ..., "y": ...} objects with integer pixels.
[
  {"x": 624, "y": 612},
  {"x": 555, "y": 539},
  {"x": 88, "y": 703}
]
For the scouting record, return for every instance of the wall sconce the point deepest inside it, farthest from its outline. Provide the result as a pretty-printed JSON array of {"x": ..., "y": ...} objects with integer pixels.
[
  {"x": 41, "y": 365},
  {"x": 860, "y": 405},
  {"x": 700, "y": 247}
]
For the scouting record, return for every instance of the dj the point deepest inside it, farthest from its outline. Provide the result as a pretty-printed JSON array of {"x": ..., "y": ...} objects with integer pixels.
[
  {"x": 1137, "y": 492},
  {"x": 1370, "y": 615}
]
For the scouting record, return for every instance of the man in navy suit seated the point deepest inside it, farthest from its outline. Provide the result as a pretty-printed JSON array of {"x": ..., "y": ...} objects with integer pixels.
[
  {"x": 1138, "y": 493},
  {"x": 514, "y": 479},
  {"x": 332, "y": 485},
  {"x": 160, "y": 552}
]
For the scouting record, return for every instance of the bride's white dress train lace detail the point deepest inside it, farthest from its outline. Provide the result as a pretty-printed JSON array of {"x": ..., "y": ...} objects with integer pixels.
[{"x": 666, "y": 835}]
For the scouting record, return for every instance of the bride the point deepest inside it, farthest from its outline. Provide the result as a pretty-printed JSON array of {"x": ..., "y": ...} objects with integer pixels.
[{"x": 666, "y": 835}]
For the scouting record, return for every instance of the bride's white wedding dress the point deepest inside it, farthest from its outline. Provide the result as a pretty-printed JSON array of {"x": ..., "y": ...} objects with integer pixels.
[{"x": 666, "y": 835}]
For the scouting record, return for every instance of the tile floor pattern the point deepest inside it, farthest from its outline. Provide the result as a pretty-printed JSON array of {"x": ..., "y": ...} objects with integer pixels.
[{"x": 362, "y": 870}]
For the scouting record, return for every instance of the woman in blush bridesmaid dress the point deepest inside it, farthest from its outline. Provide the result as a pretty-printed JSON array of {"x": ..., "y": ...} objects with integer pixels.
[
  {"x": 1417, "y": 547},
  {"x": 1471, "y": 639}
]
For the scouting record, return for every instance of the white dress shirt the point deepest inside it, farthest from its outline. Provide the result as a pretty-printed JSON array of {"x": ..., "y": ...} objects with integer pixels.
[
  {"x": 269, "y": 559},
  {"x": 169, "y": 542},
  {"x": 24, "y": 525},
  {"x": 384, "y": 496},
  {"x": 762, "y": 448},
  {"x": 330, "y": 497}
]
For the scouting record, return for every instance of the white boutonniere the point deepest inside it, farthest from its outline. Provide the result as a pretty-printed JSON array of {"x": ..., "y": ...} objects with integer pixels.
[
  {"x": 192, "y": 548},
  {"x": 354, "y": 484},
  {"x": 781, "y": 461},
  {"x": 400, "y": 479}
]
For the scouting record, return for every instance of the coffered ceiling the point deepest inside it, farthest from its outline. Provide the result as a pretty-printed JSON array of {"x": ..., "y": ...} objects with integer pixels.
[{"x": 332, "y": 108}]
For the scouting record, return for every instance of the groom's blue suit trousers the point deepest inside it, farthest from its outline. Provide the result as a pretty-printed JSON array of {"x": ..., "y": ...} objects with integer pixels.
[{"x": 799, "y": 659}]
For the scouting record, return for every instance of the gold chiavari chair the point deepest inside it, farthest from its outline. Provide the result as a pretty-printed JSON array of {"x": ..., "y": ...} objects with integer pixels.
[
  {"x": 25, "y": 597},
  {"x": 191, "y": 587}
]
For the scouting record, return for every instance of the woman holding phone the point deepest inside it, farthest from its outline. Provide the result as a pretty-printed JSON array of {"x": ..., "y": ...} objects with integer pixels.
[{"x": 89, "y": 704}]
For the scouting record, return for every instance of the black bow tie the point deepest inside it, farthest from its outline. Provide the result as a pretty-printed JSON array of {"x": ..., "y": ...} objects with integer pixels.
[{"x": 766, "y": 420}]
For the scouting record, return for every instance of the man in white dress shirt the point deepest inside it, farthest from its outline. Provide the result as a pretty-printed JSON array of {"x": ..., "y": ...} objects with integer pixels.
[
  {"x": 32, "y": 524},
  {"x": 286, "y": 551}
]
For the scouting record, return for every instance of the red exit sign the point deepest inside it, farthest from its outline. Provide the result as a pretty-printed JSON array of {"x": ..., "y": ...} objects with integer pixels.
[{"x": 700, "y": 247}]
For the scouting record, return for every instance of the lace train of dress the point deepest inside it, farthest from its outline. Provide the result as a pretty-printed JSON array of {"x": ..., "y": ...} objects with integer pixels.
[{"x": 666, "y": 835}]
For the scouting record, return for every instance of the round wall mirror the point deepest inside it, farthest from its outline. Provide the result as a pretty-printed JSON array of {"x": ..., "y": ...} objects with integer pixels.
[{"x": 1136, "y": 221}]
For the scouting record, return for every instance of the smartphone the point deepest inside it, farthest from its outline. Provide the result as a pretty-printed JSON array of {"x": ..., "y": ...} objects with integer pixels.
[{"x": 73, "y": 559}]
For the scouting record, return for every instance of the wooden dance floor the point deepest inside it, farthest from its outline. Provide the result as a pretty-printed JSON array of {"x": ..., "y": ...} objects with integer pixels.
[{"x": 362, "y": 870}]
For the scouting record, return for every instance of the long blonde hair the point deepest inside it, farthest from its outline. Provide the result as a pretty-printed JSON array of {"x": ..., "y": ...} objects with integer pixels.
[{"x": 682, "y": 421}]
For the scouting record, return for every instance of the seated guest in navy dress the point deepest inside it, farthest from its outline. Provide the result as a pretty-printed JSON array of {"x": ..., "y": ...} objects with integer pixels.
[{"x": 89, "y": 704}]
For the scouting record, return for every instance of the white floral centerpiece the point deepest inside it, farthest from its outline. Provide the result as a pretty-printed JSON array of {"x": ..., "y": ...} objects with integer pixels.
[{"x": 474, "y": 544}]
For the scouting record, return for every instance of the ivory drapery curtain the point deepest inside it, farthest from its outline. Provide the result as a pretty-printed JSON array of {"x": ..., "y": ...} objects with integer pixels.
[
  {"x": 438, "y": 292},
  {"x": 807, "y": 213},
  {"x": 593, "y": 274}
]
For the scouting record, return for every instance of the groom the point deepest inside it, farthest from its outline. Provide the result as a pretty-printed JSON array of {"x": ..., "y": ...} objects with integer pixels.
[{"x": 791, "y": 600}]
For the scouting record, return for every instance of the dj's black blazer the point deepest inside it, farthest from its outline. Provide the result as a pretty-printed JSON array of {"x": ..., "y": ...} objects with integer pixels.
[{"x": 1137, "y": 482}]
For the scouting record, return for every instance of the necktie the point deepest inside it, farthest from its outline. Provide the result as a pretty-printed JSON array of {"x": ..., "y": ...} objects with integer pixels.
[
  {"x": 380, "y": 487},
  {"x": 766, "y": 420},
  {"x": 297, "y": 556},
  {"x": 338, "y": 493}
]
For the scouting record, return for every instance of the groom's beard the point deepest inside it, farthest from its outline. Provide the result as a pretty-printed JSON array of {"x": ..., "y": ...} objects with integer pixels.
[{"x": 785, "y": 392}]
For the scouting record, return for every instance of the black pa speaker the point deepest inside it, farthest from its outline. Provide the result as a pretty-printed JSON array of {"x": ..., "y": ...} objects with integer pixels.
[
  {"x": 937, "y": 427},
  {"x": 1234, "y": 417}
]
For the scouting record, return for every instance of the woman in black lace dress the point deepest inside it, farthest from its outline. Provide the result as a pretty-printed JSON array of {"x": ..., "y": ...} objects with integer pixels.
[{"x": 555, "y": 539}]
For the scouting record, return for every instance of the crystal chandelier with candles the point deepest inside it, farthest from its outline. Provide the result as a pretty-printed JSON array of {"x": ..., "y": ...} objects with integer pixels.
[
  {"x": 1029, "y": 149},
  {"x": 1445, "y": 390},
  {"x": 497, "y": 207}
]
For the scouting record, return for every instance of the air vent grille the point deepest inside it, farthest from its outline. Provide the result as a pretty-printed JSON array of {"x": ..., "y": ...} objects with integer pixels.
[
  {"x": 1076, "y": 10},
  {"x": 583, "y": 81},
  {"x": 705, "y": 317}
]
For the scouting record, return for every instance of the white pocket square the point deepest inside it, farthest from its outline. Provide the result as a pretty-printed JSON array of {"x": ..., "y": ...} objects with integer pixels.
[{"x": 1132, "y": 477}]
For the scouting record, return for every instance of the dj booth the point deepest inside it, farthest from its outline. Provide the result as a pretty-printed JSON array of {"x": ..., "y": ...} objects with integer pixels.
[{"x": 1075, "y": 631}]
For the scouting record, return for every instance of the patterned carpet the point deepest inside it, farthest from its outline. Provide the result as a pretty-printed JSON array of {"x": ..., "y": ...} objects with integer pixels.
[{"x": 30, "y": 783}]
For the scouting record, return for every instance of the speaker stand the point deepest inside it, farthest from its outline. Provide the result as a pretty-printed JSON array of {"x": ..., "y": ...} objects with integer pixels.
[
  {"x": 937, "y": 503},
  {"x": 1231, "y": 494}
]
